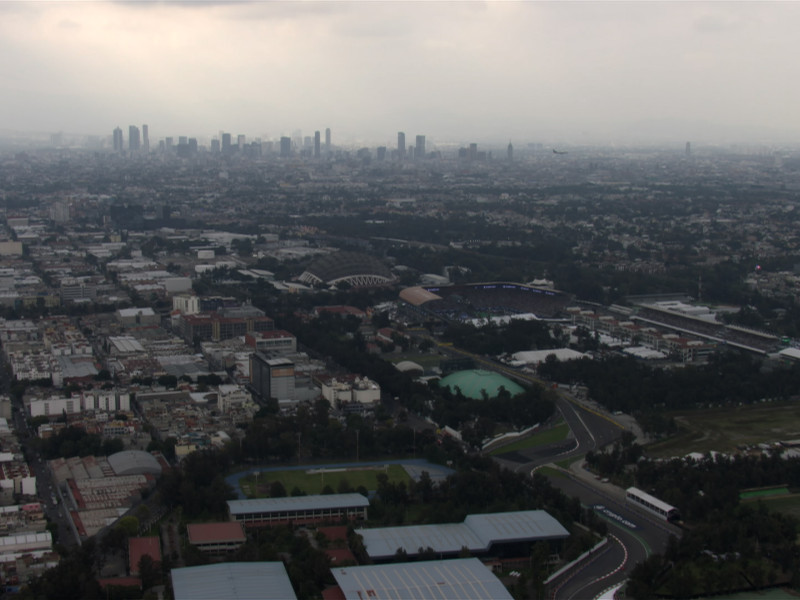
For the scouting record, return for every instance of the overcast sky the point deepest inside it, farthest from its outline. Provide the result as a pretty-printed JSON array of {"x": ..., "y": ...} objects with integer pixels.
[{"x": 571, "y": 72}]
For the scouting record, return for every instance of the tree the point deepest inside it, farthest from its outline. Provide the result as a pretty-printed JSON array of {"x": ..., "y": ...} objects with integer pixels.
[
  {"x": 149, "y": 571},
  {"x": 276, "y": 490},
  {"x": 129, "y": 525}
]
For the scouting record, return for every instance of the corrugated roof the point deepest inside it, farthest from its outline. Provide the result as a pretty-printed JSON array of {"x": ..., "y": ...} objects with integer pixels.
[
  {"x": 455, "y": 579},
  {"x": 235, "y": 581},
  {"x": 134, "y": 462},
  {"x": 516, "y": 526},
  {"x": 477, "y": 533},
  {"x": 207, "y": 533},
  {"x": 290, "y": 503}
]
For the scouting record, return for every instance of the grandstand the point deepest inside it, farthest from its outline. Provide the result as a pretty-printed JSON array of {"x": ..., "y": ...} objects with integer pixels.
[
  {"x": 465, "y": 302},
  {"x": 358, "y": 270},
  {"x": 731, "y": 335}
]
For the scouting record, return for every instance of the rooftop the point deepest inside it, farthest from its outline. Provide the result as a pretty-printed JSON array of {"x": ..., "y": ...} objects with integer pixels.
[
  {"x": 235, "y": 581},
  {"x": 292, "y": 503},
  {"x": 477, "y": 533},
  {"x": 454, "y": 579}
]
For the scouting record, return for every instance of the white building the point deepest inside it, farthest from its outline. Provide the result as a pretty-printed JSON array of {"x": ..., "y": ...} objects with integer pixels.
[
  {"x": 360, "y": 390},
  {"x": 94, "y": 400}
]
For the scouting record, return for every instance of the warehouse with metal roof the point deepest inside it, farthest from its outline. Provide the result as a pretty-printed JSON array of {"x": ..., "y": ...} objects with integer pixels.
[
  {"x": 236, "y": 581},
  {"x": 446, "y": 579},
  {"x": 298, "y": 509},
  {"x": 473, "y": 383},
  {"x": 506, "y": 534},
  {"x": 134, "y": 462}
]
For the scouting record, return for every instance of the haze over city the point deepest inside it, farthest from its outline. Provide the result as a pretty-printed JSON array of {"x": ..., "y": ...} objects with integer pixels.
[{"x": 573, "y": 72}]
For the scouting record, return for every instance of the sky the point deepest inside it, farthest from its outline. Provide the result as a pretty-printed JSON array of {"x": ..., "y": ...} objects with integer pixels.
[{"x": 566, "y": 71}]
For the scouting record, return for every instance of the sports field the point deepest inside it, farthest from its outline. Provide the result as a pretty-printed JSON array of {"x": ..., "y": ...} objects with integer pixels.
[
  {"x": 726, "y": 429},
  {"x": 788, "y": 504},
  {"x": 314, "y": 479}
]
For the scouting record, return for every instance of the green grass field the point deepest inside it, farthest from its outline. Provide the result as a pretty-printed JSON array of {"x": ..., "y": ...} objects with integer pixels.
[
  {"x": 312, "y": 483},
  {"x": 551, "y": 473},
  {"x": 763, "y": 494},
  {"x": 548, "y": 436},
  {"x": 724, "y": 429},
  {"x": 786, "y": 504}
]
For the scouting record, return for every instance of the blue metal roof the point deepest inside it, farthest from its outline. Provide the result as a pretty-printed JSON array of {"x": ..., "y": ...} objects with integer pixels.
[
  {"x": 293, "y": 503},
  {"x": 236, "y": 581},
  {"x": 477, "y": 533},
  {"x": 454, "y": 579}
]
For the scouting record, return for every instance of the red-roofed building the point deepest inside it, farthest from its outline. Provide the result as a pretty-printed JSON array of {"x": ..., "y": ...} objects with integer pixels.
[
  {"x": 120, "y": 582},
  {"x": 341, "y": 557},
  {"x": 216, "y": 538},
  {"x": 333, "y": 593},
  {"x": 143, "y": 546}
]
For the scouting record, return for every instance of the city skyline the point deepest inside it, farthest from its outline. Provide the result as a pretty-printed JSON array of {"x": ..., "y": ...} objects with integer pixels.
[{"x": 571, "y": 72}]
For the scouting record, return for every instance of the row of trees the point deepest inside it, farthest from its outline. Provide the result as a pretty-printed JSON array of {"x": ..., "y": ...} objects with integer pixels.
[{"x": 629, "y": 385}]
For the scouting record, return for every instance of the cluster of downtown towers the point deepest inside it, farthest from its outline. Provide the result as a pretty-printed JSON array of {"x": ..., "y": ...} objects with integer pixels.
[{"x": 139, "y": 142}]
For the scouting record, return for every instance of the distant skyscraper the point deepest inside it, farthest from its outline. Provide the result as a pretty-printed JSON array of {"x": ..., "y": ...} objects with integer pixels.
[
  {"x": 182, "y": 139},
  {"x": 146, "y": 138},
  {"x": 286, "y": 146},
  {"x": 688, "y": 149},
  {"x": 510, "y": 152},
  {"x": 240, "y": 141},
  {"x": 226, "y": 143},
  {"x": 134, "y": 141},
  {"x": 473, "y": 151},
  {"x": 419, "y": 152},
  {"x": 381, "y": 153},
  {"x": 118, "y": 142},
  {"x": 170, "y": 142},
  {"x": 215, "y": 147},
  {"x": 401, "y": 145},
  {"x": 328, "y": 139},
  {"x": 317, "y": 144}
]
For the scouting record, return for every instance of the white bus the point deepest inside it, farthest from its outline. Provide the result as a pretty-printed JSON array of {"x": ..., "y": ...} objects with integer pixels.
[{"x": 652, "y": 504}]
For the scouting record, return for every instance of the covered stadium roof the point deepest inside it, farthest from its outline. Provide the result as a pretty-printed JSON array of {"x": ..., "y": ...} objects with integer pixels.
[
  {"x": 359, "y": 270},
  {"x": 416, "y": 296},
  {"x": 237, "y": 581},
  {"x": 454, "y": 579},
  {"x": 134, "y": 462},
  {"x": 477, "y": 533},
  {"x": 471, "y": 383},
  {"x": 295, "y": 503}
]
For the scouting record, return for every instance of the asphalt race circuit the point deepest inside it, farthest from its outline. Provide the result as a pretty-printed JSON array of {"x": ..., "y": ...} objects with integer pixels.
[{"x": 633, "y": 534}]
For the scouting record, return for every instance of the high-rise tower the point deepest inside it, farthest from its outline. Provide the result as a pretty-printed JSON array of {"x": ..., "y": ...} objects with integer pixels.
[
  {"x": 134, "y": 141},
  {"x": 328, "y": 139},
  {"x": 510, "y": 152},
  {"x": 118, "y": 141},
  {"x": 146, "y": 138},
  {"x": 317, "y": 144},
  {"x": 401, "y": 145},
  {"x": 286, "y": 146},
  {"x": 419, "y": 151}
]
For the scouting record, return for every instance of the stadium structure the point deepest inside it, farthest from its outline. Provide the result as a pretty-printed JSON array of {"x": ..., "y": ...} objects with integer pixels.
[
  {"x": 353, "y": 268},
  {"x": 484, "y": 300}
]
